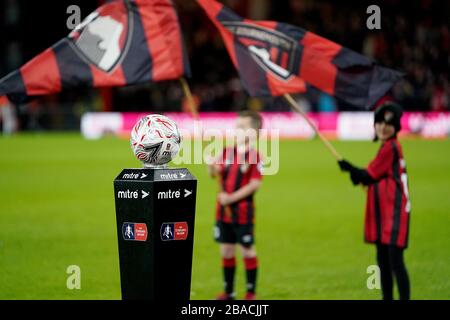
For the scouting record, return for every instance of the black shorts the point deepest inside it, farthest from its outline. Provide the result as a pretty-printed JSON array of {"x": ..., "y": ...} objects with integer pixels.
[{"x": 234, "y": 233}]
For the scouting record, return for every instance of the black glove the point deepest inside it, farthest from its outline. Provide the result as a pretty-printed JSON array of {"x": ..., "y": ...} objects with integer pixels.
[
  {"x": 357, "y": 175},
  {"x": 345, "y": 165},
  {"x": 361, "y": 176}
]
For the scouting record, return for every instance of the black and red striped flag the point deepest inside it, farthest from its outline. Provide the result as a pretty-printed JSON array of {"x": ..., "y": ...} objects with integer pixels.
[
  {"x": 123, "y": 42},
  {"x": 275, "y": 58}
]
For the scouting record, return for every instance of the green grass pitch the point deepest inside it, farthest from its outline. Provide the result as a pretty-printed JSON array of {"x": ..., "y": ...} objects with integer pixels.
[{"x": 57, "y": 209}]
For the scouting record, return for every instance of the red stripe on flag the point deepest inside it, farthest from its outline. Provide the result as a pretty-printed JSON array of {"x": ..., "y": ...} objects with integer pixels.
[
  {"x": 274, "y": 54},
  {"x": 279, "y": 87},
  {"x": 163, "y": 36},
  {"x": 252, "y": 42},
  {"x": 272, "y": 25},
  {"x": 41, "y": 75},
  {"x": 316, "y": 65},
  {"x": 284, "y": 60},
  {"x": 103, "y": 79},
  {"x": 212, "y": 8},
  {"x": 228, "y": 39},
  {"x": 3, "y": 100}
]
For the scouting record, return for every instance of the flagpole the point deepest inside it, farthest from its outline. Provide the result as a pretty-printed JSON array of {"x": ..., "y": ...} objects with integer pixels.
[
  {"x": 325, "y": 141},
  {"x": 190, "y": 99}
]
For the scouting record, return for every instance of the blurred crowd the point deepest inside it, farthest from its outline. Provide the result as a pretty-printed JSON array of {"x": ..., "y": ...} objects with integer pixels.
[{"x": 414, "y": 38}]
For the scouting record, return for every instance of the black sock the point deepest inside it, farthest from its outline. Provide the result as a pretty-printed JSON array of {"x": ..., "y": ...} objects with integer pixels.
[
  {"x": 251, "y": 268},
  {"x": 399, "y": 269},
  {"x": 385, "y": 271},
  {"x": 229, "y": 268}
]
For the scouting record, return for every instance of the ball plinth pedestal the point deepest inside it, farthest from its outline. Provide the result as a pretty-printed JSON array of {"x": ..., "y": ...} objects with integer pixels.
[{"x": 155, "y": 214}]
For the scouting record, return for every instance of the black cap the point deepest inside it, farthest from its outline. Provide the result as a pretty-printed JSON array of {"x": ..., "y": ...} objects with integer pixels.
[{"x": 389, "y": 113}]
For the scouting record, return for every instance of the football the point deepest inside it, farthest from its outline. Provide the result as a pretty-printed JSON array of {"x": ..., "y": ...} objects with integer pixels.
[{"x": 155, "y": 140}]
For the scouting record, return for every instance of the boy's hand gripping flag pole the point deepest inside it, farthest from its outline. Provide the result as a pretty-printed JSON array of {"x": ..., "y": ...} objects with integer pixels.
[{"x": 325, "y": 141}]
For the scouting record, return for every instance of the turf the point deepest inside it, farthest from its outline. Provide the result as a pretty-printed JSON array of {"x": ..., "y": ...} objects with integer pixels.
[{"x": 57, "y": 209}]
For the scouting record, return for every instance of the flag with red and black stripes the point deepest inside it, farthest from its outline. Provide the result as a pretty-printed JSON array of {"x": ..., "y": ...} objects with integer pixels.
[
  {"x": 275, "y": 58},
  {"x": 123, "y": 42}
]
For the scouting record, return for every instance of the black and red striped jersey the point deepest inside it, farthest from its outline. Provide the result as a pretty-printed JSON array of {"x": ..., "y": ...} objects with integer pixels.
[
  {"x": 388, "y": 206},
  {"x": 236, "y": 170}
]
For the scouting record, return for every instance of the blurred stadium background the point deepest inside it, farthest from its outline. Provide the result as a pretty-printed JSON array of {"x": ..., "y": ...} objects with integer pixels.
[
  {"x": 56, "y": 198},
  {"x": 414, "y": 38}
]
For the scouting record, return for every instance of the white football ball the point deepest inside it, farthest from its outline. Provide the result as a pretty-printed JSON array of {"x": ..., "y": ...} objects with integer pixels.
[{"x": 155, "y": 140}]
